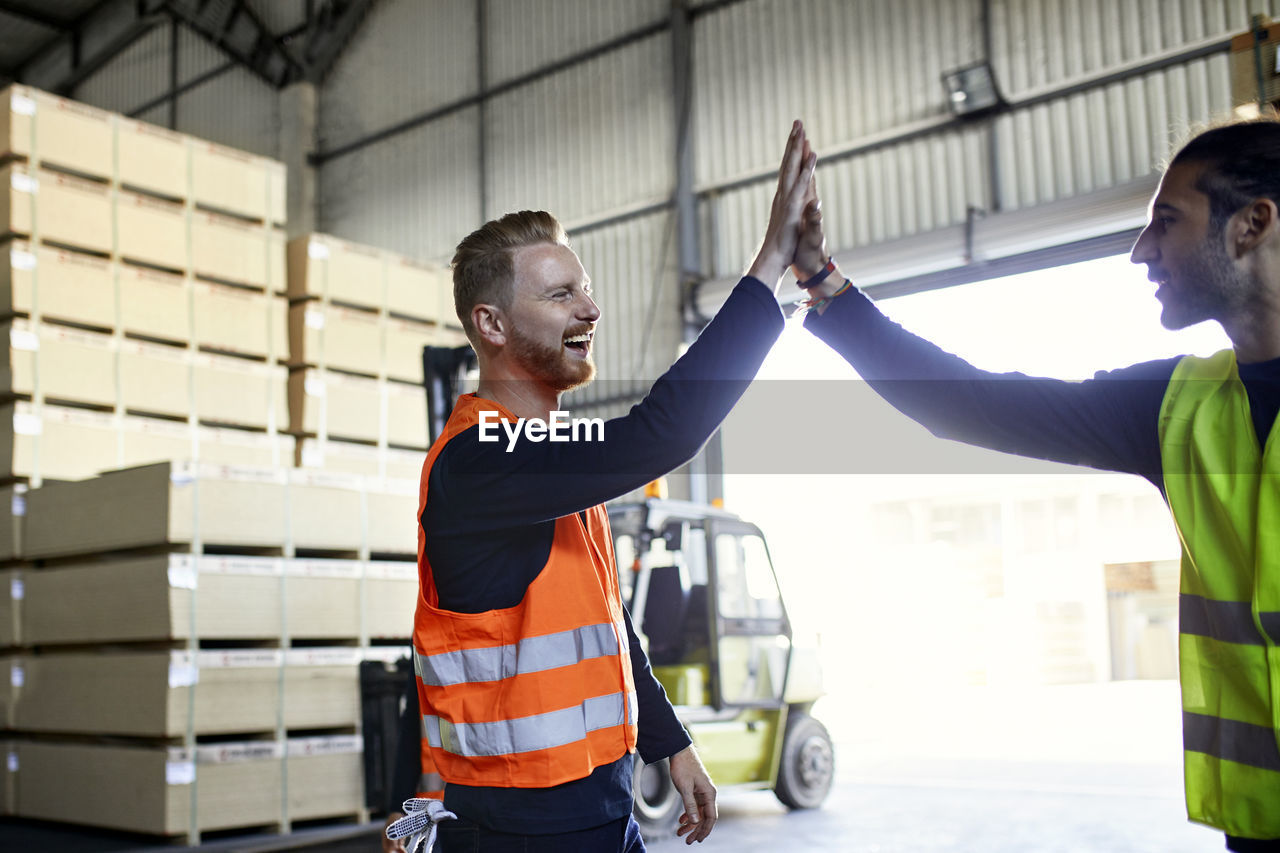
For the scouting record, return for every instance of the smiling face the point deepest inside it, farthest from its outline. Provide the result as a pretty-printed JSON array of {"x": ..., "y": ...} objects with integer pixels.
[
  {"x": 552, "y": 316},
  {"x": 1186, "y": 254}
]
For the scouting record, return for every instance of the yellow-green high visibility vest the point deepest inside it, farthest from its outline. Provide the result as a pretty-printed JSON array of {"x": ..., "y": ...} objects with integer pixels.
[{"x": 1224, "y": 492}]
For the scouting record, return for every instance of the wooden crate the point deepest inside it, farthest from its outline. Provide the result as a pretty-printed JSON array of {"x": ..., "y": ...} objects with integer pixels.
[
  {"x": 393, "y": 517},
  {"x": 329, "y": 269},
  {"x": 9, "y": 777},
  {"x": 146, "y": 440},
  {"x": 148, "y": 788},
  {"x": 419, "y": 290},
  {"x": 57, "y": 283},
  {"x": 321, "y": 688},
  {"x": 238, "y": 391},
  {"x": 404, "y": 342},
  {"x": 55, "y": 207},
  {"x": 321, "y": 598},
  {"x": 12, "y": 595},
  {"x": 406, "y": 414},
  {"x": 155, "y": 378},
  {"x": 12, "y": 682},
  {"x": 150, "y": 693},
  {"x": 156, "y": 505},
  {"x": 238, "y": 320},
  {"x": 152, "y": 158}
]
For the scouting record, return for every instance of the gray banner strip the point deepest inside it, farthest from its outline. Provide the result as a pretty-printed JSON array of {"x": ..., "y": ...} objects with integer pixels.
[
  {"x": 1228, "y": 621},
  {"x": 1271, "y": 624},
  {"x": 1231, "y": 740}
]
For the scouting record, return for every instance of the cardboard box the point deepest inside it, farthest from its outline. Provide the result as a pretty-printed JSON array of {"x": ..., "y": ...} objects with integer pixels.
[
  {"x": 12, "y": 593},
  {"x": 58, "y": 284},
  {"x": 406, "y": 415},
  {"x": 40, "y": 127},
  {"x": 350, "y": 458},
  {"x": 390, "y": 598},
  {"x": 162, "y": 504},
  {"x": 242, "y": 449},
  {"x": 335, "y": 337},
  {"x": 155, "y": 378},
  {"x": 239, "y": 320},
  {"x": 148, "y": 788},
  {"x": 59, "y": 443},
  {"x": 150, "y": 599},
  {"x": 237, "y": 391},
  {"x": 238, "y": 182},
  {"x": 404, "y": 342},
  {"x": 65, "y": 363},
  {"x": 152, "y": 158},
  {"x": 321, "y": 688},
  {"x": 327, "y": 403},
  {"x": 419, "y": 290},
  {"x": 150, "y": 694},
  {"x": 1244, "y": 73},
  {"x": 151, "y": 230},
  {"x": 154, "y": 303},
  {"x": 236, "y": 251},
  {"x": 329, "y": 269},
  {"x": 326, "y": 776},
  {"x": 393, "y": 517},
  {"x": 326, "y": 511},
  {"x": 147, "y": 440},
  {"x": 322, "y": 598},
  {"x": 56, "y": 207}
]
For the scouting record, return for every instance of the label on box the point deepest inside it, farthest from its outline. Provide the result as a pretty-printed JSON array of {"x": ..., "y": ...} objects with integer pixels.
[
  {"x": 18, "y": 506},
  {"x": 322, "y": 657},
  {"x": 314, "y": 386},
  {"x": 182, "y": 577},
  {"x": 17, "y": 589},
  {"x": 314, "y": 319},
  {"x": 26, "y": 423},
  {"x": 182, "y": 672},
  {"x": 22, "y": 260},
  {"x": 249, "y": 658},
  {"x": 255, "y": 566},
  {"x": 392, "y": 571},
  {"x": 387, "y": 654},
  {"x": 333, "y": 745},
  {"x": 17, "y": 675},
  {"x": 179, "y": 772},
  {"x": 13, "y": 762},
  {"x": 22, "y": 105},
  {"x": 24, "y": 183},
  {"x": 323, "y": 568},
  {"x": 247, "y": 751},
  {"x": 24, "y": 339},
  {"x": 317, "y": 250},
  {"x": 312, "y": 456}
]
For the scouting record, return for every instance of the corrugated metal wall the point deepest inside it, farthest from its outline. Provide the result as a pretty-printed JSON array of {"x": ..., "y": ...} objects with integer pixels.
[{"x": 594, "y": 141}]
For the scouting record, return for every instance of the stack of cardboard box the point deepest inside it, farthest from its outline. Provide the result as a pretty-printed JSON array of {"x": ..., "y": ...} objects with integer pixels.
[
  {"x": 359, "y": 318},
  {"x": 141, "y": 295}
]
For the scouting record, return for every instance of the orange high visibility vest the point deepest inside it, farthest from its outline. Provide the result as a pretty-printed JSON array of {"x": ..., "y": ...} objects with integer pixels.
[{"x": 533, "y": 695}]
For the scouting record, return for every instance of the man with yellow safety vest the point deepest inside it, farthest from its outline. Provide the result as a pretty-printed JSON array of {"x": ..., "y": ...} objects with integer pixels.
[
  {"x": 534, "y": 689},
  {"x": 1201, "y": 429}
]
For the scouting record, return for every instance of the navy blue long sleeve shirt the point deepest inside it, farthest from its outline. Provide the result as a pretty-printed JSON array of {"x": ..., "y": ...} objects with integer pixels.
[
  {"x": 490, "y": 517},
  {"x": 1110, "y": 421}
]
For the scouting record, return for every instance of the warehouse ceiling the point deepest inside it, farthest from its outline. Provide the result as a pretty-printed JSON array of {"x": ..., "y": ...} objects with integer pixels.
[{"x": 279, "y": 42}]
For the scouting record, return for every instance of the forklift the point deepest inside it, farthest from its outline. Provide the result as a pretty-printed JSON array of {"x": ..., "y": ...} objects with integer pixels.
[
  {"x": 726, "y": 659},
  {"x": 738, "y": 683}
]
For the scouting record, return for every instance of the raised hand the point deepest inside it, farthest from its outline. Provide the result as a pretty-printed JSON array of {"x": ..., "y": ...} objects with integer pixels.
[
  {"x": 811, "y": 247},
  {"x": 795, "y": 176}
]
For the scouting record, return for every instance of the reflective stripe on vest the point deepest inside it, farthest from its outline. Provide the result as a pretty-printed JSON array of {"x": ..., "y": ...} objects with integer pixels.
[
  {"x": 1224, "y": 493},
  {"x": 532, "y": 654},
  {"x": 431, "y": 784},
  {"x": 528, "y": 734}
]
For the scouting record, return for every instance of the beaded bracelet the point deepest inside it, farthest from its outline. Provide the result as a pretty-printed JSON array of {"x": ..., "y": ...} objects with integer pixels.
[{"x": 819, "y": 302}]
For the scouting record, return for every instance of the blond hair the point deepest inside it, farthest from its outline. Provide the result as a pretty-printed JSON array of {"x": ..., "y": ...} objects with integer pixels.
[{"x": 483, "y": 269}]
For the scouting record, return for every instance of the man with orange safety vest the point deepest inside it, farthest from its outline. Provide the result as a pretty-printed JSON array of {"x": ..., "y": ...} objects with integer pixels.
[
  {"x": 1203, "y": 430},
  {"x": 534, "y": 689}
]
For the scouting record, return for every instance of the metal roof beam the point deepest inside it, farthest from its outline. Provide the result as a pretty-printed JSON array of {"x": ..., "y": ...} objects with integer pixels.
[
  {"x": 19, "y": 9},
  {"x": 233, "y": 27}
]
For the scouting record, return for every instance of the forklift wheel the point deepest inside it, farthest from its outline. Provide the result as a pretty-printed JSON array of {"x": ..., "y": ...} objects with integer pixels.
[
  {"x": 657, "y": 802},
  {"x": 808, "y": 763}
]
